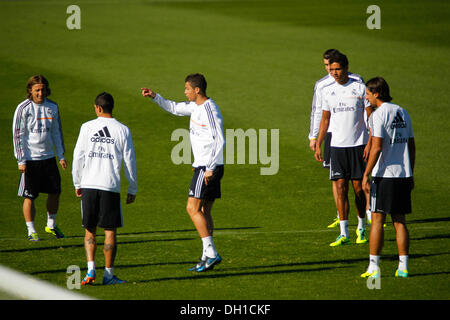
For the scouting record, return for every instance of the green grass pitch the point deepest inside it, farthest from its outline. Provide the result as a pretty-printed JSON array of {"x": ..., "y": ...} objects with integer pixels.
[{"x": 261, "y": 59}]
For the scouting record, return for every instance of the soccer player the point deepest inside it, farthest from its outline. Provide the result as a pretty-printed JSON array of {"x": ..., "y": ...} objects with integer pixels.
[
  {"x": 343, "y": 106},
  {"x": 36, "y": 130},
  {"x": 391, "y": 165},
  {"x": 102, "y": 145},
  {"x": 316, "y": 116},
  {"x": 207, "y": 140}
]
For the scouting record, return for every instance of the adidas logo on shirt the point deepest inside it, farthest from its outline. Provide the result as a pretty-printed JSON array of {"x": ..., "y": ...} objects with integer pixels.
[
  {"x": 398, "y": 122},
  {"x": 103, "y": 136}
]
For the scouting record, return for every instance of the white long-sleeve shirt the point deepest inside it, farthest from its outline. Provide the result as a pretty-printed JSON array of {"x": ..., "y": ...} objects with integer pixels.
[
  {"x": 97, "y": 158},
  {"x": 36, "y": 129},
  {"x": 206, "y": 129}
]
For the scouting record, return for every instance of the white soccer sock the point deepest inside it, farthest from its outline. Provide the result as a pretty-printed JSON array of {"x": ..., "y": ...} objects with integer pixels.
[
  {"x": 344, "y": 227},
  {"x": 374, "y": 263},
  {"x": 209, "y": 250},
  {"x": 30, "y": 227},
  {"x": 109, "y": 273},
  {"x": 361, "y": 223},
  {"x": 51, "y": 220},
  {"x": 369, "y": 215},
  {"x": 403, "y": 262},
  {"x": 91, "y": 265}
]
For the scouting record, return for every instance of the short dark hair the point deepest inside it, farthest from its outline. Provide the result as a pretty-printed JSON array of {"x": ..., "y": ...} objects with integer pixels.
[
  {"x": 106, "y": 101},
  {"x": 197, "y": 80},
  {"x": 329, "y": 53},
  {"x": 339, "y": 58},
  {"x": 39, "y": 79},
  {"x": 380, "y": 86}
]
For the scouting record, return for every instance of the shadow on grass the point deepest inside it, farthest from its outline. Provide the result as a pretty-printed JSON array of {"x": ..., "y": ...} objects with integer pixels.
[
  {"x": 222, "y": 274},
  {"x": 429, "y": 220},
  {"x": 432, "y": 237},
  {"x": 165, "y": 231},
  {"x": 82, "y": 245},
  {"x": 119, "y": 267}
]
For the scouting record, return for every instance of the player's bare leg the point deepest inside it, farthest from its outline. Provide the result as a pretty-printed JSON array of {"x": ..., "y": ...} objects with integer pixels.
[
  {"x": 206, "y": 210},
  {"x": 110, "y": 247},
  {"x": 342, "y": 198},
  {"x": 193, "y": 208},
  {"x": 377, "y": 233},
  {"x": 53, "y": 203},
  {"x": 343, "y": 209},
  {"x": 90, "y": 243},
  {"x": 29, "y": 211},
  {"x": 402, "y": 234},
  {"x": 210, "y": 257}
]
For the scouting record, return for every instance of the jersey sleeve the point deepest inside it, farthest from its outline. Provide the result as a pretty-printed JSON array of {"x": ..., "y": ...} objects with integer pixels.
[
  {"x": 175, "y": 108},
  {"x": 215, "y": 124},
  {"x": 19, "y": 127},
  {"x": 79, "y": 154},
  {"x": 316, "y": 113},
  {"x": 57, "y": 135},
  {"x": 129, "y": 160}
]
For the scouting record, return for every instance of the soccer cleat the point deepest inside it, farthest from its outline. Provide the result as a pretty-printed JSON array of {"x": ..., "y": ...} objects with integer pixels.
[
  {"x": 341, "y": 240},
  {"x": 89, "y": 278},
  {"x": 198, "y": 265},
  {"x": 55, "y": 231},
  {"x": 361, "y": 236},
  {"x": 375, "y": 274},
  {"x": 33, "y": 237},
  {"x": 401, "y": 273},
  {"x": 334, "y": 224},
  {"x": 113, "y": 280},
  {"x": 209, "y": 263}
]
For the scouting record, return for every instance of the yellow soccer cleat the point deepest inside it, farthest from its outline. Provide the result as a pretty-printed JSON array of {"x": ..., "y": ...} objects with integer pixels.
[
  {"x": 401, "y": 273},
  {"x": 341, "y": 240},
  {"x": 334, "y": 224},
  {"x": 361, "y": 236}
]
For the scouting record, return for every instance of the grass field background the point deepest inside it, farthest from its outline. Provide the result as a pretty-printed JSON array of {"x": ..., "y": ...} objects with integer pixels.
[{"x": 261, "y": 59}]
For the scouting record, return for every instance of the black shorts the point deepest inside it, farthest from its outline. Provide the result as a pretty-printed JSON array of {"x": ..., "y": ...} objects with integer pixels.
[
  {"x": 391, "y": 195},
  {"x": 101, "y": 209},
  {"x": 347, "y": 163},
  {"x": 198, "y": 189},
  {"x": 326, "y": 151},
  {"x": 41, "y": 176}
]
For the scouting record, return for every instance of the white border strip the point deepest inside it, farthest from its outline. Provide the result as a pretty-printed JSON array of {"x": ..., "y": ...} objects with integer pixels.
[{"x": 24, "y": 286}]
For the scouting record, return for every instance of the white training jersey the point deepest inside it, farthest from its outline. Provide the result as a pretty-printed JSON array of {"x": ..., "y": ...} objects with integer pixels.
[
  {"x": 36, "y": 129},
  {"x": 346, "y": 103},
  {"x": 392, "y": 123},
  {"x": 206, "y": 129},
  {"x": 316, "y": 108},
  {"x": 97, "y": 158}
]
